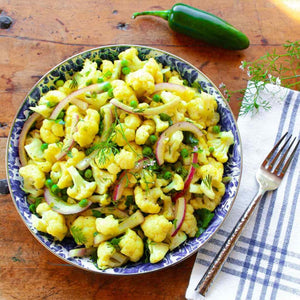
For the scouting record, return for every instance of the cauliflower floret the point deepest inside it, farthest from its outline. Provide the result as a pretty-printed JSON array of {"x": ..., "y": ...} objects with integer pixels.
[
  {"x": 131, "y": 245},
  {"x": 132, "y": 121},
  {"x": 108, "y": 225},
  {"x": 34, "y": 179},
  {"x": 103, "y": 178},
  {"x": 51, "y": 131},
  {"x": 108, "y": 257},
  {"x": 123, "y": 92},
  {"x": 81, "y": 189},
  {"x": 168, "y": 210},
  {"x": 143, "y": 133},
  {"x": 189, "y": 225},
  {"x": 152, "y": 67},
  {"x": 60, "y": 175},
  {"x": 107, "y": 68},
  {"x": 177, "y": 184},
  {"x": 146, "y": 200},
  {"x": 156, "y": 227},
  {"x": 157, "y": 251},
  {"x": 34, "y": 149},
  {"x": 74, "y": 157},
  {"x": 137, "y": 150},
  {"x": 123, "y": 134},
  {"x": 148, "y": 179},
  {"x": 51, "y": 222},
  {"x": 48, "y": 101},
  {"x": 203, "y": 202},
  {"x": 159, "y": 124},
  {"x": 87, "y": 128},
  {"x": 213, "y": 168},
  {"x": 125, "y": 159},
  {"x": 83, "y": 229},
  {"x": 131, "y": 55},
  {"x": 88, "y": 74},
  {"x": 141, "y": 81},
  {"x": 108, "y": 163},
  {"x": 51, "y": 152},
  {"x": 220, "y": 144},
  {"x": 172, "y": 147},
  {"x": 202, "y": 109}
]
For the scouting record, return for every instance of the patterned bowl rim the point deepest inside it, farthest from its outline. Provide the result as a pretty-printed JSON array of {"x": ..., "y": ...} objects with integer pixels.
[{"x": 73, "y": 263}]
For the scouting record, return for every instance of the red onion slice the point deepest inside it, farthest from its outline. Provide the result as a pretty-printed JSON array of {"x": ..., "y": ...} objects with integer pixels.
[
  {"x": 120, "y": 186},
  {"x": 190, "y": 175},
  {"x": 180, "y": 210},
  {"x": 97, "y": 87},
  {"x": 172, "y": 87},
  {"x": 147, "y": 111},
  {"x": 27, "y": 125},
  {"x": 62, "y": 207}
]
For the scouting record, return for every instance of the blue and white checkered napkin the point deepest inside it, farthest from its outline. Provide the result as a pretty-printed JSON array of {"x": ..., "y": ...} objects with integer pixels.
[{"x": 265, "y": 263}]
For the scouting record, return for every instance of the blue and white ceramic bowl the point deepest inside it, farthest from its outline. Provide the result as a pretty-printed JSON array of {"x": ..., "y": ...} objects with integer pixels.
[{"x": 63, "y": 71}]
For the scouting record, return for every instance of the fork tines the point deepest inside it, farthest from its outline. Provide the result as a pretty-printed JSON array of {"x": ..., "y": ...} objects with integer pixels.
[{"x": 282, "y": 153}]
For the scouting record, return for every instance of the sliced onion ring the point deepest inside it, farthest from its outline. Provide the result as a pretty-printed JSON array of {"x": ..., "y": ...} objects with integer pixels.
[
  {"x": 62, "y": 207},
  {"x": 180, "y": 126},
  {"x": 147, "y": 111},
  {"x": 189, "y": 176},
  {"x": 81, "y": 252},
  {"x": 81, "y": 104},
  {"x": 97, "y": 87},
  {"x": 172, "y": 87},
  {"x": 27, "y": 125},
  {"x": 180, "y": 210},
  {"x": 120, "y": 186}
]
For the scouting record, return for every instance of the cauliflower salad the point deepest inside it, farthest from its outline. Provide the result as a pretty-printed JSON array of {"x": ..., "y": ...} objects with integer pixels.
[{"x": 125, "y": 158}]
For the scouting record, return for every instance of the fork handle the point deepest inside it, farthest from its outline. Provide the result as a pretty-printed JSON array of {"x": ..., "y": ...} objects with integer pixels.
[{"x": 222, "y": 255}]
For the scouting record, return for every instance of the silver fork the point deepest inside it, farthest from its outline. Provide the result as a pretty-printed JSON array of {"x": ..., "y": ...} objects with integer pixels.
[{"x": 269, "y": 178}]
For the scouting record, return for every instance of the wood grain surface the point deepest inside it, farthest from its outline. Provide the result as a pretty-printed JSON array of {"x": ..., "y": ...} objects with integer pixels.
[{"x": 44, "y": 33}]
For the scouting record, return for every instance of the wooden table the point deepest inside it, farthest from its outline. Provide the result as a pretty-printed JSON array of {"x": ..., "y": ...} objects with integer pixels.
[{"x": 45, "y": 32}]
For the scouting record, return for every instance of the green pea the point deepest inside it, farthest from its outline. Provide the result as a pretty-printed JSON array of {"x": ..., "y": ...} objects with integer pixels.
[
  {"x": 44, "y": 146},
  {"x": 211, "y": 149},
  {"x": 152, "y": 139},
  {"x": 55, "y": 189},
  {"x": 110, "y": 92},
  {"x": 108, "y": 74},
  {"x": 88, "y": 173},
  {"x": 48, "y": 183},
  {"x": 100, "y": 80},
  {"x": 107, "y": 86},
  {"x": 167, "y": 175},
  {"x": 83, "y": 203},
  {"x": 184, "y": 153},
  {"x": 156, "y": 98},
  {"x": 59, "y": 83},
  {"x": 125, "y": 70},
  {"x": 133, "y": 103},
  {"x": 164, "y": 117},
  {"x": 124, "y": 63},
  {"x": 147, "y": 151},
  {"x": 216, "y": 129}
]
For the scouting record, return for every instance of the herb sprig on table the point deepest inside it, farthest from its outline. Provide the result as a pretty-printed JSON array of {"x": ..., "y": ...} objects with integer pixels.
[{"x": 276, "y": 68}]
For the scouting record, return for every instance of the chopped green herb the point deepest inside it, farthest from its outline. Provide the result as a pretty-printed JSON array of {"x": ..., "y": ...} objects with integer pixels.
[
  {"x": 216, "y": 129},
  {"x": 78, "y": 235},
  {"x": 184, "y": 153}
]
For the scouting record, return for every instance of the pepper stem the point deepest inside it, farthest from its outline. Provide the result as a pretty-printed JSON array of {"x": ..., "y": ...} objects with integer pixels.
[{"x": 162, "y": 14}]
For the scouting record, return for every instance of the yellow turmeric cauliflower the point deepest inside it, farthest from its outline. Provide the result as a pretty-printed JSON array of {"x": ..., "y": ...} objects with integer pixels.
[
  {"x": 87, "y": 128},
  {"x": 51, "y": 131},
  {"x": 189, "y": 225},
  {"x": 83, "y": 229},
  {"x": 108, "y": 225},
  {"x": 156, "y": 227},
  {"x": 147, "y": 200},
  {"x": 132, "y": 245},
  {"x": 51, "y": 222}
]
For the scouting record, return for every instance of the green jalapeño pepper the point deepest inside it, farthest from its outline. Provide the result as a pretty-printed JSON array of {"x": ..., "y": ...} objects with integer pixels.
[{"x": 201, "y": 25}]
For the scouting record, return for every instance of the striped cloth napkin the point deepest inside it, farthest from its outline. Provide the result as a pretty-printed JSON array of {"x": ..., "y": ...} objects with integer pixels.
[{"x": 265, "y": 262}]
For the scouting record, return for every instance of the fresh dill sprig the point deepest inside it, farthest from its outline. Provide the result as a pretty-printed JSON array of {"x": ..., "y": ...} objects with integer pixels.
[{"x": 275, "y": 68}]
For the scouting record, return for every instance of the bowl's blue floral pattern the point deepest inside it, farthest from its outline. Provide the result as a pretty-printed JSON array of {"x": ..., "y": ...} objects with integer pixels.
[{"x": 65, "y": 71}]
